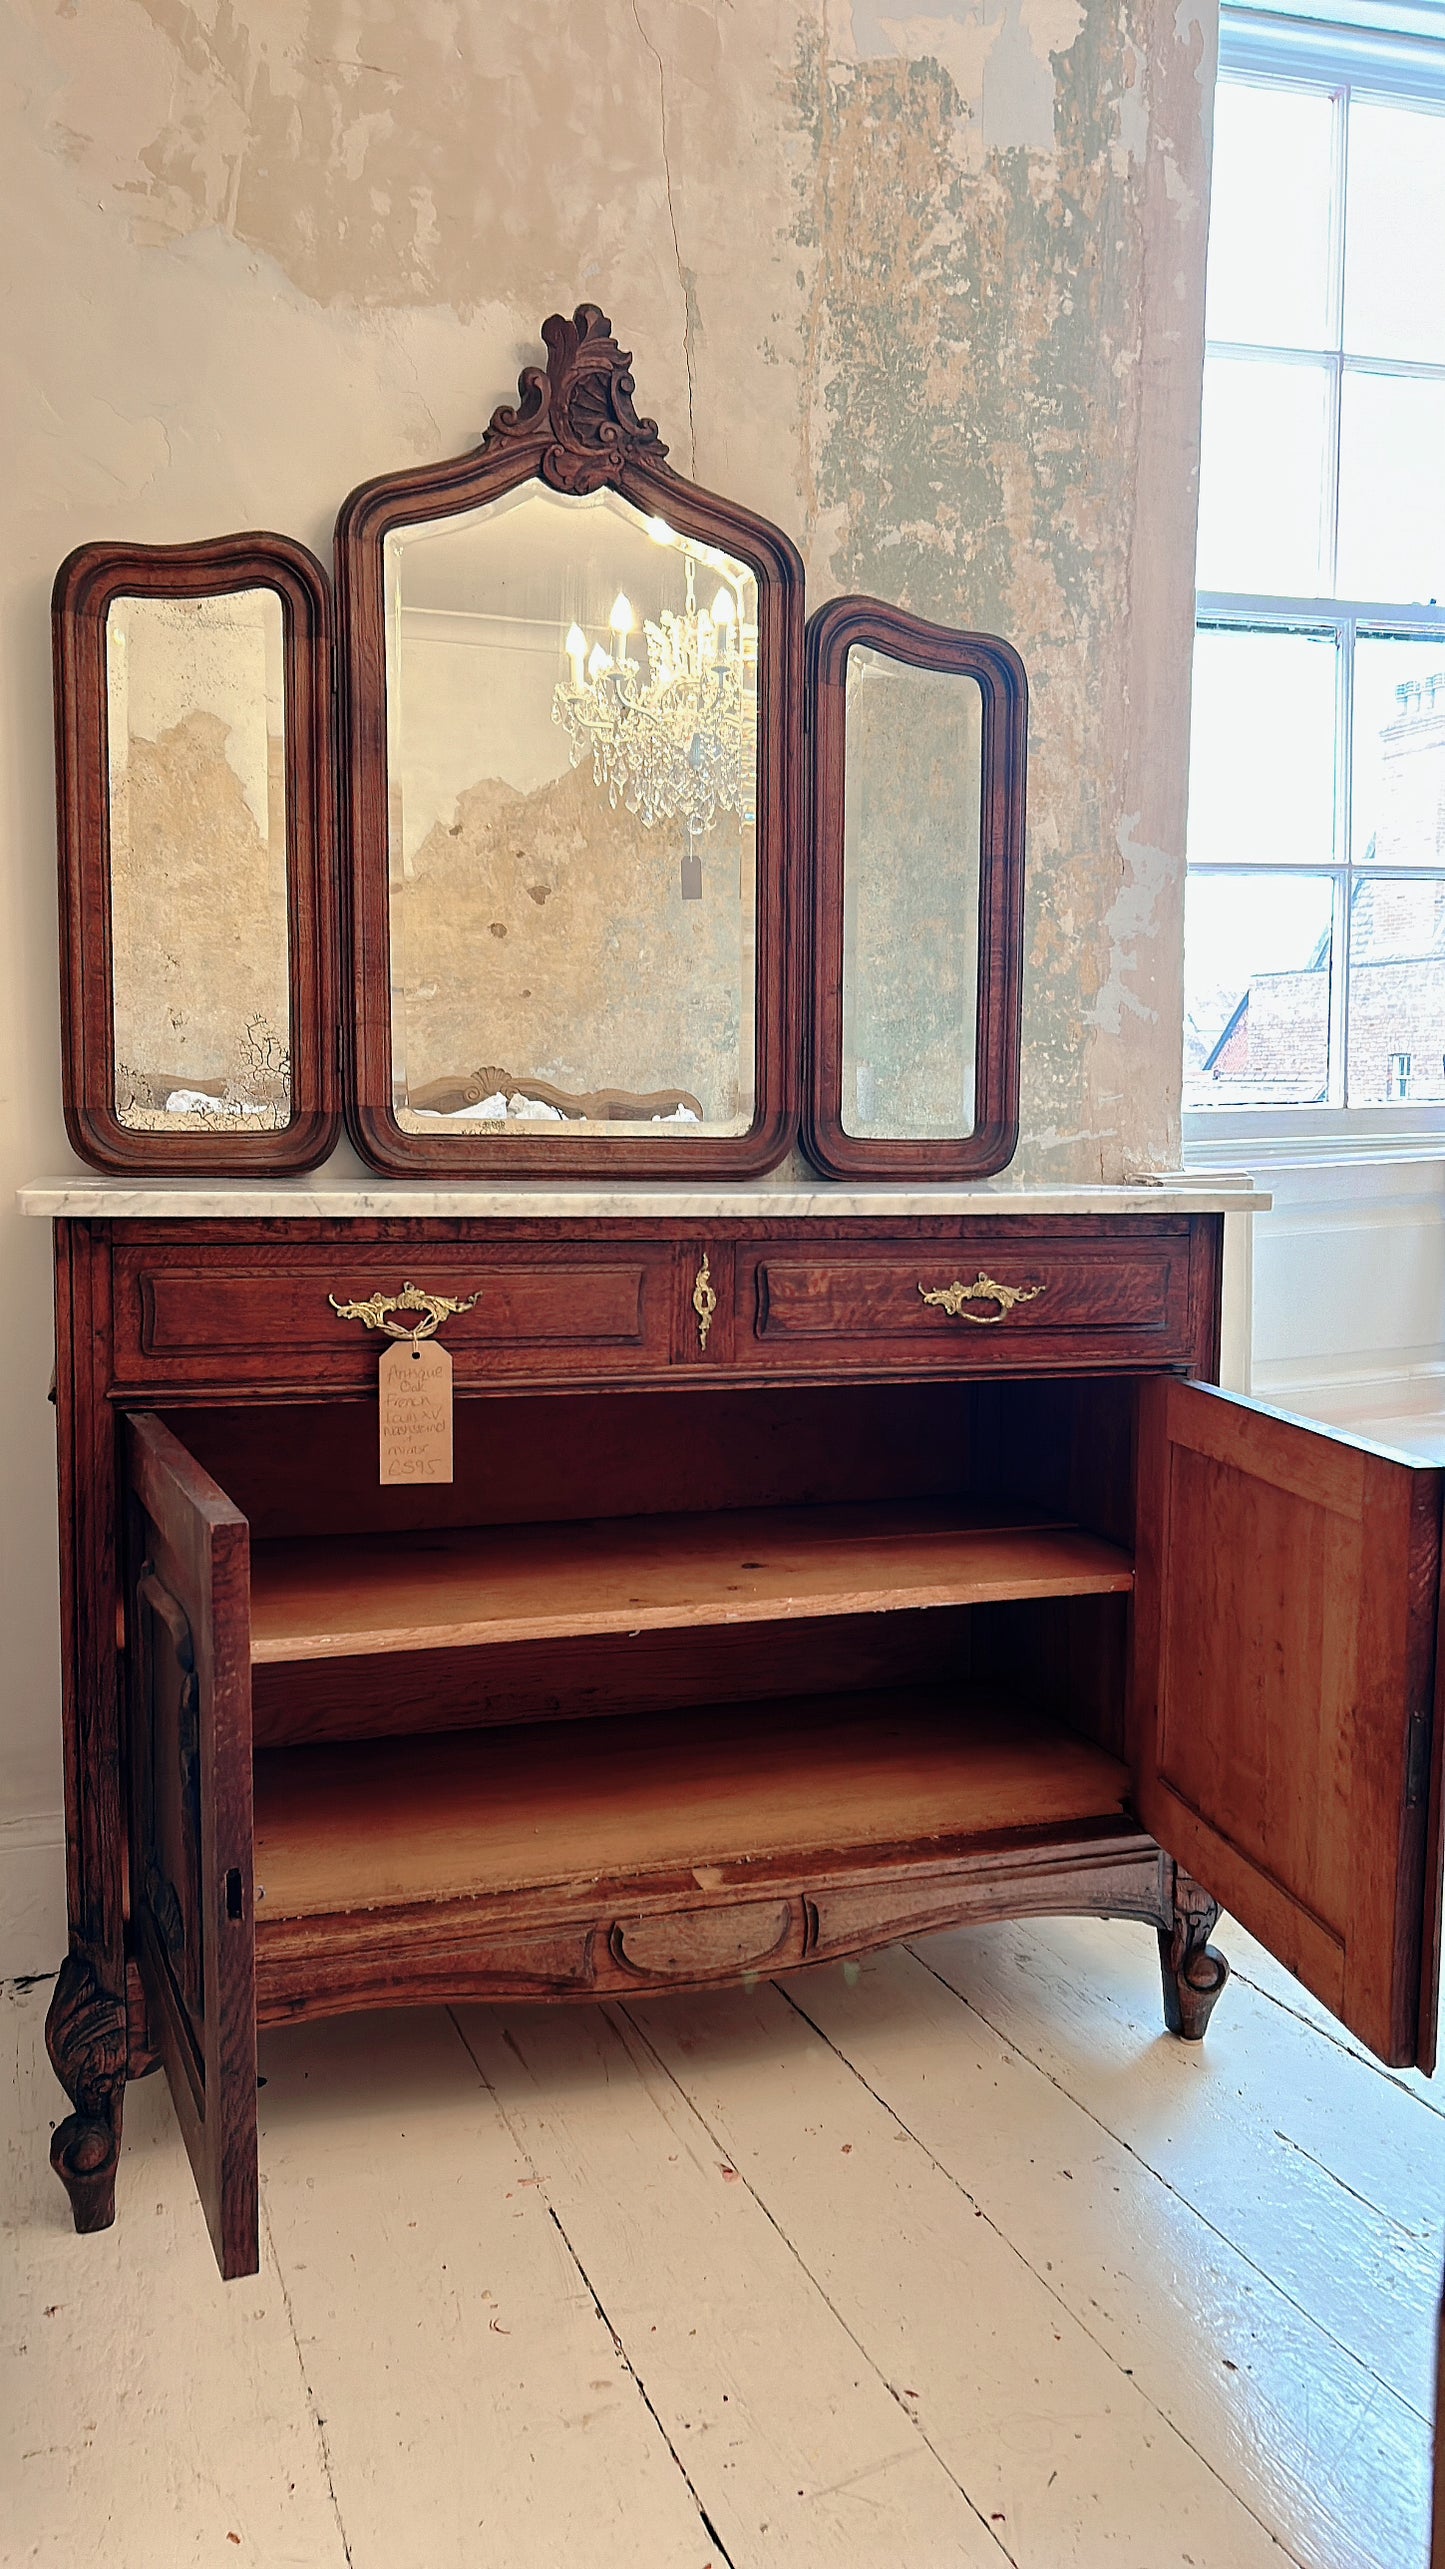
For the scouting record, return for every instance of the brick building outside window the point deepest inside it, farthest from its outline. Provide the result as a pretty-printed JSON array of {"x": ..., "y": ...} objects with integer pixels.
[{"x": 1273, "y": 1047}]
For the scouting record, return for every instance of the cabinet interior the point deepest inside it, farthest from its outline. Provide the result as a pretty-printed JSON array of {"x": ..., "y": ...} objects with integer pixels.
[{"x": 850, "y": 1620}]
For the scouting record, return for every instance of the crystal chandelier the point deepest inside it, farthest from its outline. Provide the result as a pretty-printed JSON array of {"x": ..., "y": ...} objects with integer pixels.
[{"x": 679, "y": 743}]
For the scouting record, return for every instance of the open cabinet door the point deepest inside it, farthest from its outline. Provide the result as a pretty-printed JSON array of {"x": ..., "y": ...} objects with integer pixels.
[
  {"x": 188, "y": 1646},
  {"x": 1283, "y": 1738}
]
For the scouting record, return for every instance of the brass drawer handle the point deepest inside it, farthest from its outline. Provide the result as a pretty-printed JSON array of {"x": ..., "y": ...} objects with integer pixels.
[
  {"x": 952, "y": 1297},
  {"x": 375, "y": 1313}
]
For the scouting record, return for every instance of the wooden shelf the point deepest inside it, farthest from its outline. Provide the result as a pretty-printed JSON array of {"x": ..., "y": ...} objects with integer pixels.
[
  {"x": 391, "y": 1823},
  {"x": 320, "y": 1598}
]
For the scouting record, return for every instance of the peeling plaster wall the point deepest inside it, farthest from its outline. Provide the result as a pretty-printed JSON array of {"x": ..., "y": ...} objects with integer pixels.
[{"x": 926, "y": 287}]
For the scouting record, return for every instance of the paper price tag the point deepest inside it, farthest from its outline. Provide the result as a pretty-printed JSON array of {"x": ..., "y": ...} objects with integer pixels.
[{"x": 415, "y": 1383}]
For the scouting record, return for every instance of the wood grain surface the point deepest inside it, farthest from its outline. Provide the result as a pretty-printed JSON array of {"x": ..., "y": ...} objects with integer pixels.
[
  {"x": 195, "y": 1548},
  {"x": 390, "y": 1822},
  {"x": 1281, "y": 1728},
  {"x": 460, "y": 1586}
]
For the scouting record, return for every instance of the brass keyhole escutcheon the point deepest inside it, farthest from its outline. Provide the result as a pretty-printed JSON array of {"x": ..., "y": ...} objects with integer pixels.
[{"x": 704, "y": 1301}]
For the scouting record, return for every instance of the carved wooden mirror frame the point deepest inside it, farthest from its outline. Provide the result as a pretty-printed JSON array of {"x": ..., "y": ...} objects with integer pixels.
[
  {"x": 87, "y": 585},
  {"x": 835, "y": 630},
  {"x": 575, "y": 430}
]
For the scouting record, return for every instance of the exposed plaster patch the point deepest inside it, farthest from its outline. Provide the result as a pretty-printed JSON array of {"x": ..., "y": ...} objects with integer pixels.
[
  {"x": 1196, "y": 28},
  {"x": 1177, "y": 188},
  {"x": 960, "y": 44},
  {"x": 997, "y": 53},
  {"x": 1133, "y": 106},
  {"x": 1130, "y": 922},
  {"x": 1052, "y": 26},
  {"x": 974, "y": 360},
  {"x": 434, "y": 155}
]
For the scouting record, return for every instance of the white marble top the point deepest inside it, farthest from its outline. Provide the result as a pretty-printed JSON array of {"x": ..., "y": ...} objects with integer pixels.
[{"x": 117, "y": 1199}]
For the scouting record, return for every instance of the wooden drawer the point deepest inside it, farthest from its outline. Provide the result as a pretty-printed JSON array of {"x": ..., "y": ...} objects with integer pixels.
[
  {"x": 974, "y": 1299},
  {"x": 196, "y": 1316}
]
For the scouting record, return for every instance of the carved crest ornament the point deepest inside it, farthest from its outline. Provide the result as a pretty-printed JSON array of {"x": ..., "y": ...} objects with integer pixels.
[{"x": 578, "y": 407}]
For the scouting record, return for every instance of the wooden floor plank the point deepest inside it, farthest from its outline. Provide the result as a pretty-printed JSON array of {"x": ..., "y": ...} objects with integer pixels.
[
  {"x": 458, "y": 1587},
  {"x": 801, "y": 2457},
  {"x": 1057, "y": 2447},
  {"x": 1249, "y": 1961},
  {"x": 476, "y": 2406},
  {"x": 1277, "y": 2139},
  {"x": 808, "y": 2315},
  {"x": 151, "y": 2417},
  {"x": 1323, "y": 2455}
]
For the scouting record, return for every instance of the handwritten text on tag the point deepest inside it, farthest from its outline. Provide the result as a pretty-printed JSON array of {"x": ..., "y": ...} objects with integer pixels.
[{"x": 416, "y": 1412}]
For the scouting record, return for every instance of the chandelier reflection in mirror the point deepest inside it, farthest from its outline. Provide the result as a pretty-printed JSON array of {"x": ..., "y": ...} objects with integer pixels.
[{"x": 681, "y": 742}]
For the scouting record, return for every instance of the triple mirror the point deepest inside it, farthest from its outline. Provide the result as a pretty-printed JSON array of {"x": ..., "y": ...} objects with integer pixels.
[{"x": 585, "y": 935}]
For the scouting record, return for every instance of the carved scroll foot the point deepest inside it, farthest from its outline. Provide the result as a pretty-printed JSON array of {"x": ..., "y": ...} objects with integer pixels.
[
  {"x": 1194, "y": 1973},
  {"x": 85, "y": 2035}
]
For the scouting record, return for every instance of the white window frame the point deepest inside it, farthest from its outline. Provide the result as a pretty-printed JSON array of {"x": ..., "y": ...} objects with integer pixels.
[{"x": 1307, "y": 52}]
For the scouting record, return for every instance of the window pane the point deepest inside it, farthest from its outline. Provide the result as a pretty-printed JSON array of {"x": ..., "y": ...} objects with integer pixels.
[
  {"x": 1257, "y": 989},
  {"x": 1399, "y": 776},
  {"x": 1262, "y": 751},
  {"x": 1261, "y": 483},
  {"x": 1395, "y": 232},
  {"x": 1269, "y": 222},
  {"x": 1392, "y": 489},
  {"x": 1397, "y": 993}
]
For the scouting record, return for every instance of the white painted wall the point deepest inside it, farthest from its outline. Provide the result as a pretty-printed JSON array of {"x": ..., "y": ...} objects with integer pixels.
[{"x": 1349, "y": 1289}]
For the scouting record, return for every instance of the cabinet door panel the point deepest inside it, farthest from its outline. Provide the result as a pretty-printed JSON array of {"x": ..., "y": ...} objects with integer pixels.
[
  {"x": 1286, "y": 1602},
  {"x": 188, "y": 1642}
]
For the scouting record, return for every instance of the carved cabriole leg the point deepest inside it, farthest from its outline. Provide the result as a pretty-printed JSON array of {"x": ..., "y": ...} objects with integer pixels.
[
  {"x": 1194, "y": 1973},
  {"x": 85, "y": 2035}
]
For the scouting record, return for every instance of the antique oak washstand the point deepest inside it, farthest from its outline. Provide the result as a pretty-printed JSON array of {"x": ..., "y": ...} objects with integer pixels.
[{"x": 795, "y": 1561}]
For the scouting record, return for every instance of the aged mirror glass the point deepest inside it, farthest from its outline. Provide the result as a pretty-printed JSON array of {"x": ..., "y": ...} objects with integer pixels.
[
  {"x": 572, "y": 769},
  {"x": 912, "y": 807},
  {"x": 200, "y": 962},
  {"x": 919, "y": 736}
]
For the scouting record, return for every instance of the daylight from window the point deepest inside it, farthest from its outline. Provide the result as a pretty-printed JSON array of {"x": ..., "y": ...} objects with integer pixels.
[{"x": 1315, "y": 903}]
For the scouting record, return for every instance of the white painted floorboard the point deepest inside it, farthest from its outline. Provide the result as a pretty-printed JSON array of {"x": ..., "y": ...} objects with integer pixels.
[{"x": 948, "y": 2262}]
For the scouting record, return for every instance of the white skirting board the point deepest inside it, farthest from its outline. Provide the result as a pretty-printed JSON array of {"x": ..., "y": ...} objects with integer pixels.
[{"x": 32, "y": 1895}]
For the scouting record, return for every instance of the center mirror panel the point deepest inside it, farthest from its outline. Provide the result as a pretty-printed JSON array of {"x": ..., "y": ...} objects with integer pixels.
[
  {"x": 572, "y": 719},
  {"x": 574, "y": 800}
]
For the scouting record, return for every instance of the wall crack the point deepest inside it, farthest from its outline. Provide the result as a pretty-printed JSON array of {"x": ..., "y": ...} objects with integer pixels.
[{"x": 683, "y": 280}]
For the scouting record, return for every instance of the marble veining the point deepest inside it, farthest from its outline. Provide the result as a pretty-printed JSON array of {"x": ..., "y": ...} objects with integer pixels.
[{"x": 100, "y": 1199}]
